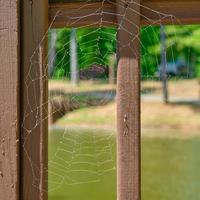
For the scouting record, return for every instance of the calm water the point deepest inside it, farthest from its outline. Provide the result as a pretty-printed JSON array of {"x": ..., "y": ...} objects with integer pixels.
[{"x": 82, "y": 167}]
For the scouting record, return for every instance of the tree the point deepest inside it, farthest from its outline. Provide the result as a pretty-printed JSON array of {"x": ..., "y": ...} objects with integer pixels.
[
  {"x": 74, "y": 73},
  {"x": 95, "y": 45},
  {"x": 52, "y": 52},
  {"x": 164, "y": 64},
  {"x": 62, "y": 59}
]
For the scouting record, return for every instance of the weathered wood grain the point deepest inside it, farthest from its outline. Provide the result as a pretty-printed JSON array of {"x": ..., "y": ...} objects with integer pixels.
[
  {"x": 34, "y": 103},
  {"x": 128, "y": 102},
  {"x": 153, "y": 12},
  {"x": 170, "y": 12},
  {"x": 9, "y": 100},
  {"x": 81, "y": 14}
]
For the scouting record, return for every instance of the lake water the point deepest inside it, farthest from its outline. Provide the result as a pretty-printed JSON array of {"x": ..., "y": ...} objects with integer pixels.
[{"x": 82, "y": 166}]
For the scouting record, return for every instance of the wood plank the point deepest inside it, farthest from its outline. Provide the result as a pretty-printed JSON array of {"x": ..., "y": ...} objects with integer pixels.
[
  {"x": 9, "y": 100},
  {"x": 154, "y": 12},
  {"x": 170, "y": 12},
  {"x": 128, "y": 101},
  {"x": 34, "y": 106},
  {"x": 82, "y": 14}
]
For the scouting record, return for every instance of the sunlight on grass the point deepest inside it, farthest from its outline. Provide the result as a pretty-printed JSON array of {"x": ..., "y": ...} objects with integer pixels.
[
  {"x": 84, "y": 86},
  {"x": 180, "y": 120},
  {"x": 99, "y": 115},
  {"x": 179, "y": 88}
]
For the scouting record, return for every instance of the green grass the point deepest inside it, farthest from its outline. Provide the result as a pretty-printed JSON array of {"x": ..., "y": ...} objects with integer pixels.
[
  {"x": 89, "y": 116},
  {"x": 84, "y": 86},
  {"x": 170, "y": 167}
]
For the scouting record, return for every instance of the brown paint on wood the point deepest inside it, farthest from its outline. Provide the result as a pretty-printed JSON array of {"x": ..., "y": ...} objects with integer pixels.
[
  {"x": 82, "y": 14},
  {"x": 153, "y": 12},
  {"x": 34, "y": 100},
  {"x": 9, "y": 100},
  {"x": 128, "y": 102},
  {"x": 170, "y": 12}
]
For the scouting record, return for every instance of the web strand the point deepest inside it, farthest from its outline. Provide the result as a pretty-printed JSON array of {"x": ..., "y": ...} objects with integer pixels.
[{"x": 79, "y": 158}]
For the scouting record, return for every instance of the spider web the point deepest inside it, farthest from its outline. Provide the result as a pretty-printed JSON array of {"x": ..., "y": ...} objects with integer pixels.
[{"x": 82, "y": 157}]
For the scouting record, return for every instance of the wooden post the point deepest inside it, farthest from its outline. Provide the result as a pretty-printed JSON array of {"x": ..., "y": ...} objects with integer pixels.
[
  {"x": 128, "y": 101},
  {"x": 9, "y": 99},
  {"x": 34, "y": 104}
]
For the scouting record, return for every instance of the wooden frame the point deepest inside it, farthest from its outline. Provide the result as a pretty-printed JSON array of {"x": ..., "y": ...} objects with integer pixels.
[
  {"x": 128, "y": 103},
  {"x": 25, "y": 44},
  {"x": 9, "y": 100},
  {"x": 67, "y": 14},
  {"x": 154, "y": 12},
  {"x": 34, "y": 100}
]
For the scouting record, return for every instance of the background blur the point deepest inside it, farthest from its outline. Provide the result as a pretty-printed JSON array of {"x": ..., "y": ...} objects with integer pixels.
[{"x": 82, "y": 66}]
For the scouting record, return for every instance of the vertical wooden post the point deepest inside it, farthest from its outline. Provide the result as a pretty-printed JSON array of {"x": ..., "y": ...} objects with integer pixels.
[
  {"x": 9, "y": 99},
  {"x": 34, "y": 100},
  {"x": 128, "y": 101}
]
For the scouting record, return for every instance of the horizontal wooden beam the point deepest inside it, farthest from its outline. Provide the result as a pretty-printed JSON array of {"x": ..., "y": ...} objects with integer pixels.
[
  {"x": 153, "y": 12},
  {"x": 82, "y": 14},
  {"x": 170, "y": 12}
]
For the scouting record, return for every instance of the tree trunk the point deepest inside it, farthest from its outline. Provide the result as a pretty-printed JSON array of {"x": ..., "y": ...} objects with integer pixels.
[
  {"x": 52, "y": 54},
  {"x": 73, "y": 58},
  {"x": 164, "y": 64}
]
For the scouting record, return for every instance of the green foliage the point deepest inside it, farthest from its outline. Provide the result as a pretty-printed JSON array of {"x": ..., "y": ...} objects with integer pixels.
[
  {"x": 62, "y": 59},
  {"x": 182, "y": 43},
  {"x": 150, "y": 57},
  {"x": 95, "y": 45},
  {"x": 94, "y": 48}
]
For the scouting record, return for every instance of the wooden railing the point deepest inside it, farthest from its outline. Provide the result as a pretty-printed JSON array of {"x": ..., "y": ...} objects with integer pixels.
[{"x": 23, "y": 24}]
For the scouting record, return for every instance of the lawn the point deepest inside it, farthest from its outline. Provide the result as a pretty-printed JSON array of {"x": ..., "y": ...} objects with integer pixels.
[
  {"x": 177, "y": 87},
  {"x": 84, "y": 86},
  {"x": 158, "y": 119}
]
